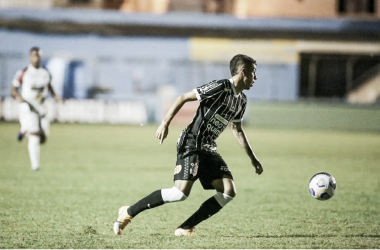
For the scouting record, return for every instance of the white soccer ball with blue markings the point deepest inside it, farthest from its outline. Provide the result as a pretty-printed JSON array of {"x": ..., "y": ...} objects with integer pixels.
[{"x": 322, "y": 186}]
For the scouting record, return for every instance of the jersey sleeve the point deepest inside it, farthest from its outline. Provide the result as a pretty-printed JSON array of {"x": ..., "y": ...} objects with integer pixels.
[
  {"x": 17, "y": 79},
  {"x": 209, "y": 90},
  {"x": 239, "y": 116}
]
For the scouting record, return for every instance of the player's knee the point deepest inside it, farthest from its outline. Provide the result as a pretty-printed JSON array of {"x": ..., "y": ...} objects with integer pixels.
[
  {"x": 223, "y": 199},
  {"x": 228, "y": 191},
  {"x": 172, "y": 195},
  {"x": 231, "y": 193}
]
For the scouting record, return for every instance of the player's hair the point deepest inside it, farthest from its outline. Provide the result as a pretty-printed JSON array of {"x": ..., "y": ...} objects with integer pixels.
[
  {"x": 238, "y": 60},
  {"x": 34, "y": 48}
]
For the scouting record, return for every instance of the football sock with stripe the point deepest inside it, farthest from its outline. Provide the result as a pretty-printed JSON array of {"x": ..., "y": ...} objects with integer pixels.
[
  {"x": 151, "y": 201},
  {"x": 206, "y": 210}
]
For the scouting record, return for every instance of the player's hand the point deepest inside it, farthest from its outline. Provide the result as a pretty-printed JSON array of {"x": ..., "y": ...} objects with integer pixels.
[
  {"x": 20, "y": 99},
  {"x": 258, "y": 166},
  {"x": 59, "y": 99},
  {"x": 162, "y": 132}
]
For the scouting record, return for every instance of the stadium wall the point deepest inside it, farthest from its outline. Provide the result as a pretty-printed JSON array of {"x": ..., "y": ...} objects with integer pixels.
[
  {"x": 146, "y": 68},
  {"x": 84, "y": 111},
  {"x": 269, "y": 115},
  {"x": 131, "y": 66},
  {"x": 109, "y": 56}
]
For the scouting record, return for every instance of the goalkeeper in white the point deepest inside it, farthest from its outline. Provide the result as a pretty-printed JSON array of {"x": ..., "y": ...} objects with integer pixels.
[{"x": 30, "y": 87}]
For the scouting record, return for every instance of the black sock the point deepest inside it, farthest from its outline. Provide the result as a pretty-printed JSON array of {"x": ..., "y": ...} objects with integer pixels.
[
  {"x": 207, "y": 209},
  {"x": 151, "y": 201}
]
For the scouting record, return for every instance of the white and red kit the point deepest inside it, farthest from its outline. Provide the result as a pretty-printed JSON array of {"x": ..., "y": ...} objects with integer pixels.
[{"x": 34, "y": 84}]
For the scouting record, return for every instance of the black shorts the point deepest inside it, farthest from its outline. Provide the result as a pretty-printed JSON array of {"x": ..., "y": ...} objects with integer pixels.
[{"x": 208, "y": 167}]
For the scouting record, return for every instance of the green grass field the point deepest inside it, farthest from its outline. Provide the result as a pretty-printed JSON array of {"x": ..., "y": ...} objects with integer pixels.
[{"x": 89, "y": 171}]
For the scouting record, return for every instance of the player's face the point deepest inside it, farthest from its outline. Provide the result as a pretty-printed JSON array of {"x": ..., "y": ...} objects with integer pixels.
[
  {"x": 249, "y": 76},
  {"x": 35, "y": 58}
]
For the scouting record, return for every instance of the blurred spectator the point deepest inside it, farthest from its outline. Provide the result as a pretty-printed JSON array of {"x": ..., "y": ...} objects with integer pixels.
[
  {"x": 152, "y": 6},
  {"x": 112, "y": 4},
  {"x": 356, "y": 6},
  {"x": 218, "y": 6}
]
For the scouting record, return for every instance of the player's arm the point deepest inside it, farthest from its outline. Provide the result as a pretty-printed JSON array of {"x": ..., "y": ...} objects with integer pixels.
[
  {"x": 238, "y": 132},
  {"x": 16, "y": 84},
  {"x": 163, "y": 129},
  {"x": 52, "y": 92},
  {"x": 16, "y": 94}
]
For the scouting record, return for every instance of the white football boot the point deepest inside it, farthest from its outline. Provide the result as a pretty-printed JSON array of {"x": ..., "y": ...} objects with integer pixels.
[
  {"x": 122, "y": 221},
  {"x": 185, "y": 232}
]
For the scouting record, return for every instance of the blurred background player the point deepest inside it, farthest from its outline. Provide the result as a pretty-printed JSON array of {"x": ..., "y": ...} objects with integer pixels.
[
  {"x": 34, "y": 83},
  {"x": 221, "y": 102}
]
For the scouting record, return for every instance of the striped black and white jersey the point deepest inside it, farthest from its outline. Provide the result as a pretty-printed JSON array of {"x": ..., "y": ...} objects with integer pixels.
[{"x": 219, "y": 104}]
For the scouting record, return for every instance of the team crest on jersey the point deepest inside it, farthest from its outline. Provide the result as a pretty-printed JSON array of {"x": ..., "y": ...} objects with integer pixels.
[{"x": 177, "y": 169}]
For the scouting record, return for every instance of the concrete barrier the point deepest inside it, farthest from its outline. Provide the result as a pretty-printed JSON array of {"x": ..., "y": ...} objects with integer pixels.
[{"x": 84, "y": 111}]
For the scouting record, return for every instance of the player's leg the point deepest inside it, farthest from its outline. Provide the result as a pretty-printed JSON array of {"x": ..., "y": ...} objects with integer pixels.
[
  {"x": 214, "y": 174},
  {"x": 34, "y": 150},
  {"x": 225, "y": 193},
  {"x": 179, "y": 192},
  {"x": 34, "y": 144},
  {"x": 44, "y": 129},
  {"x": 24, "y": 119},
  {"x": 184, "y": 178},
  {"x": 30, "y": 124},
  {"x": 34, "y": 140},
  {"x": 39, "y": 129}
]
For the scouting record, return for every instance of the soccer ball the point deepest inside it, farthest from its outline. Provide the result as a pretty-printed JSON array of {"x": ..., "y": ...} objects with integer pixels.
[{"x": 322, "y": 186}]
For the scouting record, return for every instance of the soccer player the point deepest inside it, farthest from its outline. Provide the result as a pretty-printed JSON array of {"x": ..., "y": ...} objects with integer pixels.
[
  {"x": 221, "y": 102},
  {"x": 34, "y": 82}
]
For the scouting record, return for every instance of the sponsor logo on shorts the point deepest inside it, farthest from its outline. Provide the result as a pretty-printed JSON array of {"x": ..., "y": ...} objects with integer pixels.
[
  {"x": 177, "y": 169},
  {"x": 224, "y": 168}
]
